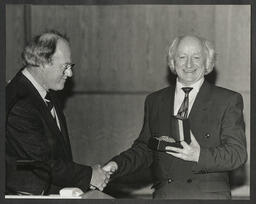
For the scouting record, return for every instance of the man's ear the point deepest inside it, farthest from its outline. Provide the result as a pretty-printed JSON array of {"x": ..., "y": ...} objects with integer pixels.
[
  {"x": 210, "y": 58},
  {"x": 208, "y": 66},
  {"x": 171, "y": 65},
  {"x": 46, "y": 65}
]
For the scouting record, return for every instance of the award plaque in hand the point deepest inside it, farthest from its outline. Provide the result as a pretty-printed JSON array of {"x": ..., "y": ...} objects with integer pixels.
[{"x": 180, "y": 131}]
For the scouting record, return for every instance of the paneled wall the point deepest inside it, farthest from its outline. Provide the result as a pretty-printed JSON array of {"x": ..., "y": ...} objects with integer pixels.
[
  {"x": 15, "y": 38},
  {"x": 120, "y": 55},
  {"x": 232, "y": 41}
]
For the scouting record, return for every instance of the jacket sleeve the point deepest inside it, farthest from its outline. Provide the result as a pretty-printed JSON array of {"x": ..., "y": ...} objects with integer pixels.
[
  {"x": 26, "y": 140},
  {"x": 231, "y": 153},
  {"x": 139, "y": 155}
]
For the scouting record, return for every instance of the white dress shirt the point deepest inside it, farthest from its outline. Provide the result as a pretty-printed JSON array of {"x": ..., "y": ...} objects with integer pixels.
[
  {"x": 180, "y": 94},
  {"x": 41, "y": 91}
]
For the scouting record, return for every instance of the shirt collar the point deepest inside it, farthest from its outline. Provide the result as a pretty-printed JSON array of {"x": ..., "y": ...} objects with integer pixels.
[
  {"x": 38, "y": 87},
  {"x": 196, "y": 86}
]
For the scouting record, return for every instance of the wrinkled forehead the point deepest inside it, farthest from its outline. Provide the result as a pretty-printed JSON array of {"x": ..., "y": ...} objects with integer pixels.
[{"x": 190, "y": 44}]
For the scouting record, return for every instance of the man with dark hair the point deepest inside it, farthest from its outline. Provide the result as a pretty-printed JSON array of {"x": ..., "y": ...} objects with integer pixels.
[
  {"x": 198, "y": 169},
  {"x": 38, "y": 152}
]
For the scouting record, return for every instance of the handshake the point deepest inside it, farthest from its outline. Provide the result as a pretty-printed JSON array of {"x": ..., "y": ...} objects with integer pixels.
[{"x": 101, "y": 175}]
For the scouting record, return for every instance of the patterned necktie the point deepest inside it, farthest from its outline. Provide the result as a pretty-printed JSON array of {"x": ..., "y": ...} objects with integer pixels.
[{"x": 183, "y": 111}]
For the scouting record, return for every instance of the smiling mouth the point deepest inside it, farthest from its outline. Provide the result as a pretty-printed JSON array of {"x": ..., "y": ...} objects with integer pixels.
[{"x": 189, "y": 70}]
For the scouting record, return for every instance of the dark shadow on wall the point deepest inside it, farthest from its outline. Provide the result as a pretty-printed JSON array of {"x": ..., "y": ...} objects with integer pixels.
[
  {"x": 238, "y": 177},
  {"x": 211, "y": 78}
]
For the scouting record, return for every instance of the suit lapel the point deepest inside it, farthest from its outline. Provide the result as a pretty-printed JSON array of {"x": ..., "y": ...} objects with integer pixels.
[
  {"x": 62, "y": 122},
  {"x": 166, "y": 111},
  {"x": 42, "y": 108},
  {"x": 200, "y": 111},
  {"x": 202, "y": 100}
]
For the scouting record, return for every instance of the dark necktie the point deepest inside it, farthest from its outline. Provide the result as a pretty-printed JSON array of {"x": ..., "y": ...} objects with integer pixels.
[
  {"x": 50, "y": 106},
  {"x": 183, "y": 111},
  {"x": 49, "y": 101}
]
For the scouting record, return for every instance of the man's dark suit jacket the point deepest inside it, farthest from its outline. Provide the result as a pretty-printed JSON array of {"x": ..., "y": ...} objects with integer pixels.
[
  {"x": 216, "y": 120},
  {"x": 32, "y": 134}
]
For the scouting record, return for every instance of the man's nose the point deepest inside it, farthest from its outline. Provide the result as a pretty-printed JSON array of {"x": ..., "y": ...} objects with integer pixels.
[
  {"x": 189, "y": 62},
  {"x": 69, "y": 72}
]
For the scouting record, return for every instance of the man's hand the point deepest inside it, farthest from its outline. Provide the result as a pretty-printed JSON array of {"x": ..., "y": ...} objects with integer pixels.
[
  {"x": 110, "y": 167},
  {"x": 189, "y": 152},
  {"x": 99, "y": 178}
]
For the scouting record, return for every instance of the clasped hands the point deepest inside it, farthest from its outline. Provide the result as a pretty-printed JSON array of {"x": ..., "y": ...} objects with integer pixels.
[
  {"x": 189, "y": 152},
  {"x": 101, "y": 175}
]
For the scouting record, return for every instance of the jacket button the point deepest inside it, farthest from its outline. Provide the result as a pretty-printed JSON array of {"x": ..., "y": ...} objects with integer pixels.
[
  {"x": 207, "y": 135},
  {"x": 170, "y": 180},
  {"x": 189, "y": 180}
]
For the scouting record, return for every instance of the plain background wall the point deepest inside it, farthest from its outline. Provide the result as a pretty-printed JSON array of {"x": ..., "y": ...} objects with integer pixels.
[{"x": 120, "y": 55}]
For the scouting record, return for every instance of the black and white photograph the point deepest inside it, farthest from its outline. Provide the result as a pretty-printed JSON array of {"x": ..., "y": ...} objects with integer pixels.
[{"x": 127, "y": 101}]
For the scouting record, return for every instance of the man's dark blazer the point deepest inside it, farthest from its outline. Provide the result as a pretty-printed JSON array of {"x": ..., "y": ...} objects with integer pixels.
[
  {"x": 216, "y": 120},
  {"x": 32, "y": 134}
]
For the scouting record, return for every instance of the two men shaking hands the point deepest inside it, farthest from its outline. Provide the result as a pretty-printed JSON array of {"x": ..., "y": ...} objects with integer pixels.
[{"x": 37, "y": 131}]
